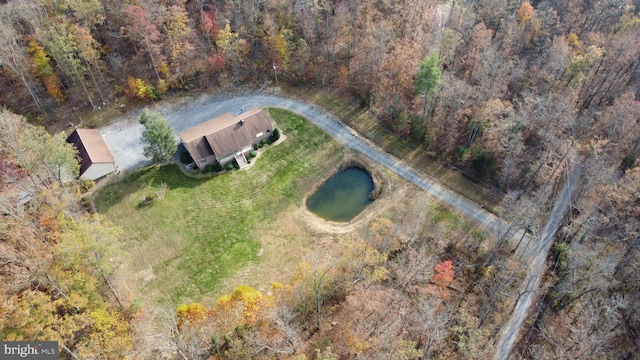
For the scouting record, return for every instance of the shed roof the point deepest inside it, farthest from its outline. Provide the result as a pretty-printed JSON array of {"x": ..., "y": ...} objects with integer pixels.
[
  {"x": 91, "y": 148},
  {"x": 225, "y": 134}
]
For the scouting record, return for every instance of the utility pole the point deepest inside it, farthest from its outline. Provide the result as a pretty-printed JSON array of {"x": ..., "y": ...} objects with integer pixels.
[{"x": 275, "y": 73}]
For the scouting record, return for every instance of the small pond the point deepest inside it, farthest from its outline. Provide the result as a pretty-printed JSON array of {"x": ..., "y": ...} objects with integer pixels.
[{"x": 343, "y": 196}]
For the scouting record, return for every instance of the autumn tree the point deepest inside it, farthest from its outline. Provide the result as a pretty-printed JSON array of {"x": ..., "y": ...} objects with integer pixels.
[
  {"x": 443, "y": 274},
  {"x": 60, "y": 41},
  {"x": 90, "y": 53},
  {"x": 394, "y": 91},
  {"x": 157, "y": 137},
  {"x": 12, "y": 54},
  {"x": 97, "y": 245},
  {"x": 469, "y": 59},
  {"x": 178, "y": 38},
  {"x": 192, "y": 331},
  {"x": 43, "y": 71},
  {"x": 145, "y": 32},
  {"x": 232, "y": 48},
  {"x": 211, "y": 30},
  {"x": 43, "y": 156},
  {"x": 613, "y": 73},
  {"x": 363, "y": 262},
  {"x": 525, "y": 13},
  {"x": 210, "y": 24},
  {"x": 88, "y": 13},
  {"x": 52, "y": 258},
  {"x": 283, "y": 43}
]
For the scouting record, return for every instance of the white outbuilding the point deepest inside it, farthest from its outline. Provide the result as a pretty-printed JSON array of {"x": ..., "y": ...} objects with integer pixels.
[{"x": 96, "y": 160}]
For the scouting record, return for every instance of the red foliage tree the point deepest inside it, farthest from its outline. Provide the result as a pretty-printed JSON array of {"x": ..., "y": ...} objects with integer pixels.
[
  {"x": 210, "y": 24},
  {"x": 146, "y": 33}
]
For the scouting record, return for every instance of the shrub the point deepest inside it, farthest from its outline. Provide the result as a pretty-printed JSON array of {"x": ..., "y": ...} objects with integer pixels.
[
  {"x": 255, "y": 147},
  {"x": 149, "y": 198},
  {"x": 209, "y": 168},
  {"x": 235, "y": 164},
  {"x": 269, "y": 142},
  {"x": 228, "y": 166},
  {"x": 260, "y": 146},
  {"x": 263, "y": 141},
  {"x": 85, "y": 185},
  {"x": 253, "y": 154},
  {"x": 275, "y": 135},
  {"x": 217, "y": 168},
  {"x": 35, "y": 119},
  {"x": 89, "y": 206}
]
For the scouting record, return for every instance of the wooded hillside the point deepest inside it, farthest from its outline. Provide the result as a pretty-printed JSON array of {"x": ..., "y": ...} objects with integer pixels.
[{"x": 514, "y": 92}]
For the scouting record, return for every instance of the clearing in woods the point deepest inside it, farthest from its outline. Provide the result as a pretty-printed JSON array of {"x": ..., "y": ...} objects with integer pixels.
[{"x": 209, "y": 234}]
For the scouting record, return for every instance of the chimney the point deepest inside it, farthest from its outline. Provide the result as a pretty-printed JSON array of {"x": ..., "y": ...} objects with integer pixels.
[{"x": 241, "y": 121}]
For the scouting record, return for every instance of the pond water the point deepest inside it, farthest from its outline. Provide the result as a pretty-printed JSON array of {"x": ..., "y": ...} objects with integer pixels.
[{"x": 343, "y": 196}]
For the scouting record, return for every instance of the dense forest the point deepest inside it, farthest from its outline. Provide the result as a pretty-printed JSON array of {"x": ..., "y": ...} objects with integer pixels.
[{"x": 515, "y": 92}]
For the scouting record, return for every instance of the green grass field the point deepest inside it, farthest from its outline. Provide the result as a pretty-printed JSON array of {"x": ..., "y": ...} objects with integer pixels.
[{"x": 205, "y": 229}]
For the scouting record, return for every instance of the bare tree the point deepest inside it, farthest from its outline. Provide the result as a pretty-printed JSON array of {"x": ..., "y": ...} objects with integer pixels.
[{"x": 12, "y": 54}]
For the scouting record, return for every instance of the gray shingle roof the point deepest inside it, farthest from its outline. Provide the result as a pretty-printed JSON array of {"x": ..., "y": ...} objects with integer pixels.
[{"x": 225, "y": 134}]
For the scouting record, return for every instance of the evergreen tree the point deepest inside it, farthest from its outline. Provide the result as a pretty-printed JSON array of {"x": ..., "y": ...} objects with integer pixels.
[
  {"x": 157, "y": 137},
  {"x": 426, "y": 81}
]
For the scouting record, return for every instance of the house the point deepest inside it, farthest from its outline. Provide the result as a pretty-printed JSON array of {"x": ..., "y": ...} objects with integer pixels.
[
  {"x": 96, "y": 160},
  {"x": 227, "y": 137}
]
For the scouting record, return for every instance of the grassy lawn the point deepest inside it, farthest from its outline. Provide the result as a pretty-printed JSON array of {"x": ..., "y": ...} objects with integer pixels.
[{"x": 205, "y": 229}]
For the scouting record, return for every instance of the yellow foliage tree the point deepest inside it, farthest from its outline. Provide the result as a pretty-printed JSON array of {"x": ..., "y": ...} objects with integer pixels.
[
  {"x": 244, "y": 301},
  {"x": 283, "y": 43},
  {"x": 139, "y": 88},
  {"x": 43, "y": 70},
  {"x": 525, "y": 13},
  {"x": 573, "y": 40},
  {"x": 363, "y": 261},
  {"x": 231, "y": 47},
  {"x": 110, "y": 336},
  {"x": 191, "y": 313}
]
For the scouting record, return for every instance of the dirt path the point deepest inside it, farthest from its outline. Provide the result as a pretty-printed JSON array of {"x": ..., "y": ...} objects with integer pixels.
[{"x": 538, "y": 254}]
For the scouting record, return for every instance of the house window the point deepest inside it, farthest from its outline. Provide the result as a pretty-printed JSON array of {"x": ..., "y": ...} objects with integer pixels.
[{"x": 260, "y": 134}]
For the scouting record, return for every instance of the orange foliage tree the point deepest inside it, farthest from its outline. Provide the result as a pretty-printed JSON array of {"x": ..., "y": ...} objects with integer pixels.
[{"x": 444, "y": 274}]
